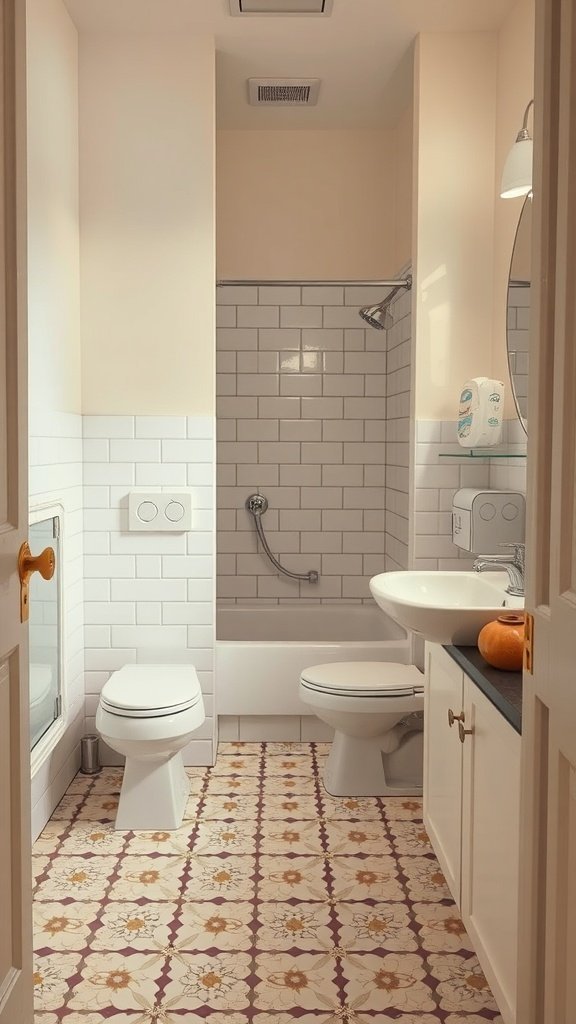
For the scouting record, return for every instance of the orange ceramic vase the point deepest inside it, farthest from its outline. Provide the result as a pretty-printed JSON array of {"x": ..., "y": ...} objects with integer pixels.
[{"x": 501, "y": 643}]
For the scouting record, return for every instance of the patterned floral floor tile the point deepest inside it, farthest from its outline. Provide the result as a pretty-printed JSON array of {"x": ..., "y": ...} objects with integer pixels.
[
  {"x": 273, "y": 903},
  {"x": 298, "y": 878},
  {"x": 291, "y": 837},
  {"x": 379, "y": 926},
  {"x": 212, "y": 878},
  {"x": 143, "y": 926},
  {"x": 350, "y": 808},
  {"x": 203, "y": 980},
  {"x": 425, "y": 880},
  {"x": 227, "y": 926},
  {"x": 50, "y": 838},
  {"x": 78, "y": 878},
  {"x": 157, "y": 878},
  {"x": 237, "y": 765},
  {"x": 440, "y": 928},
  {"x": 288, "y": 808},
  {"x": 99, "y": 807},
  {"x": 410, "y": 837},
  {"x": 121, "y": 982},
  {"x": 366, "y": 878},
  {"x": 62, "y": 927},
  {"x": 363, "y": 837},
  {"x": 284, "y": 926},
  {"x": 226, "y": 837},
  {"x": 307, "y": 981},
  {"x": 174, "y": 842},
  {"x": 93, "y": 837},
  {"x": 289, "y": 764},
  {"x": 399, "y": 808},
  {"x": 300, "y": 785},
  {"x": 52, "y": 974},
  {"x": 230, "y": 808}
]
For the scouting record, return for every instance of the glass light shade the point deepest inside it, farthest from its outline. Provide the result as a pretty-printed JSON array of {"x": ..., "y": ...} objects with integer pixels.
[{"x": 517, "y": 173}]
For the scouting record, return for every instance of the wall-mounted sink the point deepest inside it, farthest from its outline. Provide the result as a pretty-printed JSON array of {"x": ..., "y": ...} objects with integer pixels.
[{"x": 446, "y": 607}]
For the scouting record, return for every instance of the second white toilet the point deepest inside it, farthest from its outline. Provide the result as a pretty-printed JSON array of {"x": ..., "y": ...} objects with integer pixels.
[
  {"x": 149, "y": 713},
  {"x": 375, "y": 709}
]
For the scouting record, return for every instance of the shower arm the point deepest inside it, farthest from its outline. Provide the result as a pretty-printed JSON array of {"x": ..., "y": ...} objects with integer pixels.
[{"x": 257, "y": 505}]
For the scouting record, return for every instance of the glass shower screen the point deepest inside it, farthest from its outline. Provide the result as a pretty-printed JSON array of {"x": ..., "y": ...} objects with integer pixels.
[{"x": 45, "y": 654}]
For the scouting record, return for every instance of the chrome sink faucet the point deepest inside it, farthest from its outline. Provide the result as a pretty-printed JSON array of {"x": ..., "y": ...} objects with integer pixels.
[{"x": 513, "y": 564}]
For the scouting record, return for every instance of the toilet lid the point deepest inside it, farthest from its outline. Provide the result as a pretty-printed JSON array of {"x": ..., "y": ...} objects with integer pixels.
[
  {"x": 40, "y": 683},
  {"x": 148, "y": 690},
  {"x": 364, "y": 679}
]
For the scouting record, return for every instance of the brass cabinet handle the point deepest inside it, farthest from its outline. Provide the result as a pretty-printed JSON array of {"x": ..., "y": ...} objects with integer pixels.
[
  {"x": 463, "y": 733},
  {"x": 44, "y": 563},
  {"x": 454, "y": 718}
]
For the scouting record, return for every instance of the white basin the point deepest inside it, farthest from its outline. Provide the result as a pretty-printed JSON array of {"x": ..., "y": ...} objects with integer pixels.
[{"x": 446, "y": 607}]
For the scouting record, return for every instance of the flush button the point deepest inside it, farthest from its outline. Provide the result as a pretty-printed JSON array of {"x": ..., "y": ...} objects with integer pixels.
[
  {"x": 510, "y": 512},
  {"x": 487, "y": 511},
  {"x": 147, "y": 511},
  {"x": 160, "y": 512},
  {"x": 174, "y": 511}
]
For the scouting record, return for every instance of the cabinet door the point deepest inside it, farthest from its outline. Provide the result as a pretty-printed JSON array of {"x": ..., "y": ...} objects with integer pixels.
[
  {"x": 443, "y": 763},
  {"x": 490, "y": 844}
]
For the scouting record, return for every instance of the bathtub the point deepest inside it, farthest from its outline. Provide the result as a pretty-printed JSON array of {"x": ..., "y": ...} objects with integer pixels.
[{"x": 261, "y": 651}]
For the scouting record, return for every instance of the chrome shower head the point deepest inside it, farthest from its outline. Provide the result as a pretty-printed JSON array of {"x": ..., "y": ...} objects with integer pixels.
[{"x": 379, "y": 316}]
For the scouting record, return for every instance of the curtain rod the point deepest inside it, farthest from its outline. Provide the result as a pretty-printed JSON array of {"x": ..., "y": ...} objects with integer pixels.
[{"x": 402, "y": 282}]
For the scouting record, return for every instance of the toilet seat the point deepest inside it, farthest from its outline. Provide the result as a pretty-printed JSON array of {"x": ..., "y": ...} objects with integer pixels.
[
  {"x": 140, "y": 691},
  {"x": 364, "y": 679}
]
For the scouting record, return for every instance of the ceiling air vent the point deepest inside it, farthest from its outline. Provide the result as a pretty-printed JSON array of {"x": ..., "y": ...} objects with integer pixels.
[
  {"x": 282, "y": 7},
  {"x": 283, "y": 92}
]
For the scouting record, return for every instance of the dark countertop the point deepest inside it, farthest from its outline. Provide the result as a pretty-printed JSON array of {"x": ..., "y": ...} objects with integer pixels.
[{"x": 503, "y": 689}]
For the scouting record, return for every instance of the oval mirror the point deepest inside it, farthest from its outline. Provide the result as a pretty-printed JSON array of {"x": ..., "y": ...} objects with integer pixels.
[{"x": 518, "y": 312}]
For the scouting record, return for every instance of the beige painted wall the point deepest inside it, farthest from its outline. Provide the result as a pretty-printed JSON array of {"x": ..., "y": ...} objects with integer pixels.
[
  {"x": 515, "y": 88},
  {"x": 312, "y": 204},
  {"x": 53, "y": 215},
  {"x": 147, "y": 224},
  {"x": 403, "y": 145},
  {"x": 455, "y": 112}
]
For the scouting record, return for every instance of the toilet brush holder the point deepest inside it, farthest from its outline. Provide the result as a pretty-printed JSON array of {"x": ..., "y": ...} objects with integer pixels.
[{"x": 90, "y": 755}]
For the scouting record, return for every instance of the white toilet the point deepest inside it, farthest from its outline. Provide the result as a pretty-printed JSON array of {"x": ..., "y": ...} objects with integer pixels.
[
  {"x": 378, "y": 741},
  {"x": 149, "y": 713}
]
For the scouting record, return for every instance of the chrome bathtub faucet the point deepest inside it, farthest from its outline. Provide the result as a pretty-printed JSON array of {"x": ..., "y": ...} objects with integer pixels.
[{"x": 513, "y": 564}]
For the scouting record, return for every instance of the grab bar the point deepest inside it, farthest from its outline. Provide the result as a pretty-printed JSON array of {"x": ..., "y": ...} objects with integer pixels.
[{"x": 257, "y": 505}]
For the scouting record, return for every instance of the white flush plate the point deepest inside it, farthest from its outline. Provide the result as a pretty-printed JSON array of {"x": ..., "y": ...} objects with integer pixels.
[{"x": 159, "y": 512}]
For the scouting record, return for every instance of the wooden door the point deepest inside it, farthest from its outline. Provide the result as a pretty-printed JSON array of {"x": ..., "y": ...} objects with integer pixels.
[
  {"x": 15, "y": 862},
  {"x": 490, "y": 843},
  {"x": 443, "y": 763},
  {"x": 547, "y": 978}
]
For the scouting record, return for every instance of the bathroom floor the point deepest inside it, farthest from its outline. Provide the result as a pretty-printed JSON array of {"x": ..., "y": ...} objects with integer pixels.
[{"x": 274, "y": 902}]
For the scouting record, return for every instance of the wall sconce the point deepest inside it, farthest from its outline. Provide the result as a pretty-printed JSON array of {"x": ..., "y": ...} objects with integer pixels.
[{"x": 517, "y": 173}]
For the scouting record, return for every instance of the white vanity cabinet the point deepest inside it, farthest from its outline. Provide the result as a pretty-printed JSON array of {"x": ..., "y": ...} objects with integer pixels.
[{"x": 471, "y": 812}]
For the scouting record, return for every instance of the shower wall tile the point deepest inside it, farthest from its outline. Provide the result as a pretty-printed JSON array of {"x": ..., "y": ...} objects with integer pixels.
[
  {"x": 303, "y": 415},
  {"x": 150, "y": 596}
]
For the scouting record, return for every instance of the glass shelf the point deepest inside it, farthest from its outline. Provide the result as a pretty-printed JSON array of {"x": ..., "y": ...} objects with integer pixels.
[{"x": 482, "y": 453}]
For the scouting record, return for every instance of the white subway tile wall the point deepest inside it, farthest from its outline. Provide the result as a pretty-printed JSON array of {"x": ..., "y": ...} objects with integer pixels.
[
  {"x": 55, "y": 478},
  {"x": 149, "y": 596},
  {"x": 437, "y": 479},
  {"x": 518, "y": 340},
  {"x": 302, "y": 417}
]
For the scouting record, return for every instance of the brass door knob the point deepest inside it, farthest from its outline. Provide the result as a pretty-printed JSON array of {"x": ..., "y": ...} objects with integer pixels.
[
  {"x": 454, "y": 718},
  {"x": 44, "y": 563},
  {"x": 463, "y": 733}
]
